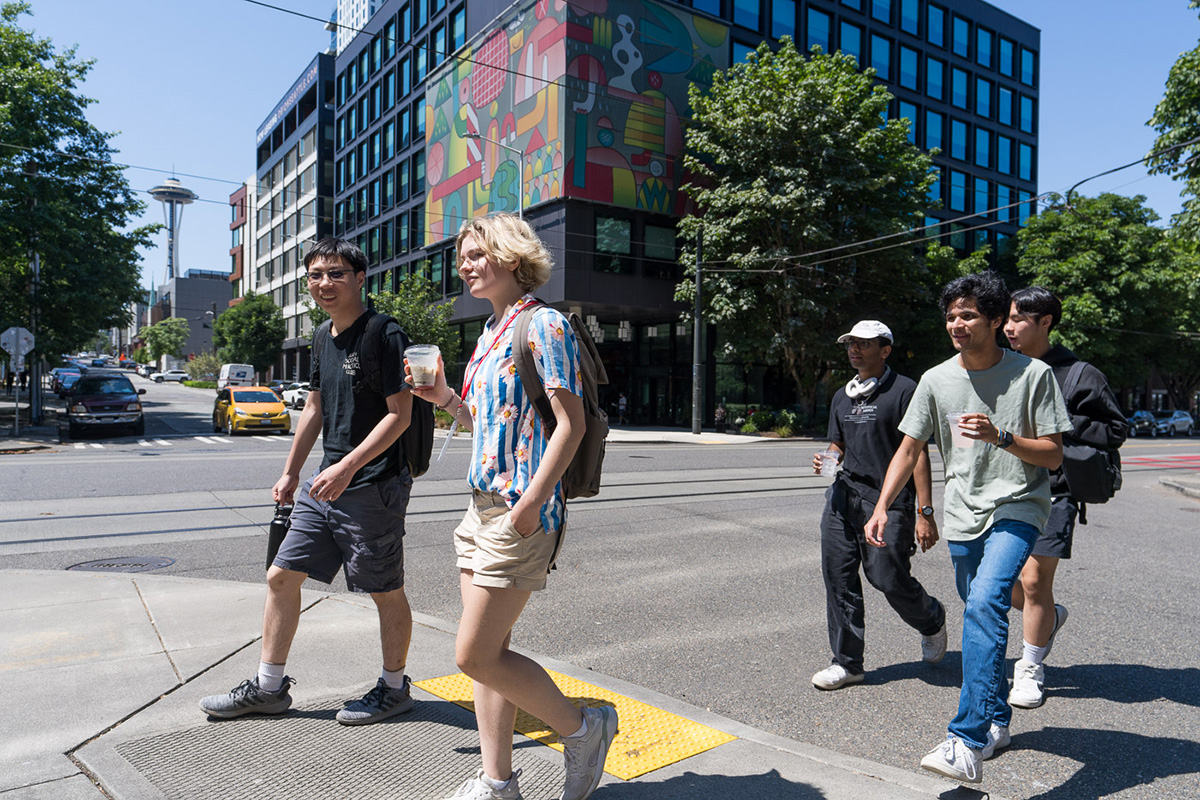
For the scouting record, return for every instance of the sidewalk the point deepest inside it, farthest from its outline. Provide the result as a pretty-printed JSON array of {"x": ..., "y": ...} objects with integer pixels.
[
  {"x": 100, "y": 674},
  {"x": 1186, "y": 483}
]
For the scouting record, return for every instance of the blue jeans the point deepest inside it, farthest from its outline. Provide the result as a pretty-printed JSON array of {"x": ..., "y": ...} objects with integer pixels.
[{"x": 985, "y": 569}]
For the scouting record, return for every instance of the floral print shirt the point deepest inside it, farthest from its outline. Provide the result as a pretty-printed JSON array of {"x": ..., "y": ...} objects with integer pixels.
[{"x": 509, "y": 439}]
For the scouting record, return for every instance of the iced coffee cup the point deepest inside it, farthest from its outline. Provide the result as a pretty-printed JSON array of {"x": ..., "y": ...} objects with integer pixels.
[
  {"x": 829, "y": 462},
  {"x": 958, "y": 436},
  {"x": 422, "y": 363}
]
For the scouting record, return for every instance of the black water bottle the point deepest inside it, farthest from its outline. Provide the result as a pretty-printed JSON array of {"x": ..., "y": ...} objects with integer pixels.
[{"x": 278, "y": 530}]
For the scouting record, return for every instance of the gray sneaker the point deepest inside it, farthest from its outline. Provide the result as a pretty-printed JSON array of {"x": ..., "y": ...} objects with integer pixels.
[
  {"x": 585, "y": 754},
  {"x": 248, "y": 698},
  {"x": 478, "y": 788},
  {"x": 378, "y": 704}
]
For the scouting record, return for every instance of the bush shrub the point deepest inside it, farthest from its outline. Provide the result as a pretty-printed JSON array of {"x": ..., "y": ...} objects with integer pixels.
[
  {"x": 785, "y": 431},
  {"x": 763, "y": 420},
  {"x": 749, "y": 427},
  {"x": 201, "y": 384}
]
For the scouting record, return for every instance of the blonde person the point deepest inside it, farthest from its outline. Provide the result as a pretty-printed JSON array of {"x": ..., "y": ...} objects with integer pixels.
[{"x": 514, "y": 525}]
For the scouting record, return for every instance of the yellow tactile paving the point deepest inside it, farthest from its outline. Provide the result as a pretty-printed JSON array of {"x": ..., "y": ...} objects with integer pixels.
[{"x": 650, "y": 738}]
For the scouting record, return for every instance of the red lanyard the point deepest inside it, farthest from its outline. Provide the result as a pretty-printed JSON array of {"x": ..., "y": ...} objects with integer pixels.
[{"x": 495, "y": 342}]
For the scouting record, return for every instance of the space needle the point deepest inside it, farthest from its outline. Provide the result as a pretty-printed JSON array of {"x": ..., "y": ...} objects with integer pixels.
[{"x": 174, "y": 196}]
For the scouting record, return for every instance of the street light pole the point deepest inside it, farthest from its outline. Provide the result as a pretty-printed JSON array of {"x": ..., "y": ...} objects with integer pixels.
[{"x": 520, "y": 169}]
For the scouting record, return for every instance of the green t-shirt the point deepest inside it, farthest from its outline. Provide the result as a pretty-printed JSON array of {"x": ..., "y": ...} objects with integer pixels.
[{"x": 984, "y": 483}]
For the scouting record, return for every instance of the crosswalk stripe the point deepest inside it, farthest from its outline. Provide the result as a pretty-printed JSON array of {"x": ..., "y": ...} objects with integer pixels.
[
  {"x": 222, "y": 439},
  {"x": 80, "y": 446},
  {"x": 144, "y": 443},
  {"x": 97, "y": 446},
  {"x": 205, "y": 439},
  {"x": 162, "y": 442}
]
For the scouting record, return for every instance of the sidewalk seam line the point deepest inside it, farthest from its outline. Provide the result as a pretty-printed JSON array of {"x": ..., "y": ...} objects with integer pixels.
[{"x": 157, "y": 632}]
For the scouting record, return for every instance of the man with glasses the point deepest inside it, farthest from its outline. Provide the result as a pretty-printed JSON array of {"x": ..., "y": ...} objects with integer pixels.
[
  {"x": 863, "y": 429},
  {"x": 350, "y": 514}
]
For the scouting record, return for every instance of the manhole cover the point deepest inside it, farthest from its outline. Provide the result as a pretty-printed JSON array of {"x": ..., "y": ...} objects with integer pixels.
[{"x": 127, "y": 564}]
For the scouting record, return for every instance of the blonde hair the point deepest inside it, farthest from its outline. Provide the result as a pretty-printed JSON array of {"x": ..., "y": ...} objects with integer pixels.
[{"x": 508, "y": 240}]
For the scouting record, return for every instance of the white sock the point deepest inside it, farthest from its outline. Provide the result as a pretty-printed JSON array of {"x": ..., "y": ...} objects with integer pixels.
[
  {"x": 499, "y": 786},
  {"x": 582, "y": 730},
  {"x": 1033, "y": 653},
  {"x": 270, "y": 676},
  {"x": 394, "y": 679}
]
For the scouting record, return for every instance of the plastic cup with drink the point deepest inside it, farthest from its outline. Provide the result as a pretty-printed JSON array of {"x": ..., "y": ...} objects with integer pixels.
[
  {"x": 422, "y": 363},
  {"x": 829, "y": 462},
  {"x": 958, "y": 436}
]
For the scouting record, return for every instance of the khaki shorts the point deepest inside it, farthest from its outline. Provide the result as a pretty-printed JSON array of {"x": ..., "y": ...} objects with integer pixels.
[{"x": 489, "y": 546}]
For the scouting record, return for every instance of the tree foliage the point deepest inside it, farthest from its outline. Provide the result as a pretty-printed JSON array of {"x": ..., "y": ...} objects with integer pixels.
[
  {"x": 252, "y": 332},
  {"x": 166, "y": 338},
  {"x": 60, "y": 196},
  {"x": 1123, "y": 283},
  {"x": 790, "y": 158},
  {"x": 418, "y": 307},
  {"x": 141, "y": 355},
  {"x": 1178, "y": 125},
  {"x": 204, "y": 365}
]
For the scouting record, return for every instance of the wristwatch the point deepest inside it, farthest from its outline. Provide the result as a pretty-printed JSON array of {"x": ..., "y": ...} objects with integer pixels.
[
  {"x": 926, "y": 511},
  {"x": 1004, "y": 439}
]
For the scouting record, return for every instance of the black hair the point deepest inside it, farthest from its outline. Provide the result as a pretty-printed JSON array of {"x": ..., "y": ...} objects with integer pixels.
[
  {"x": 1038, "y": 301},
  {"x": 332, "y": 248},
  {"x": 987, "y": 288}
]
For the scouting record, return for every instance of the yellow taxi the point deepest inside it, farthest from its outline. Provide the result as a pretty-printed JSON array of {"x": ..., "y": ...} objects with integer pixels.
[{"x": 245, "y": 409}]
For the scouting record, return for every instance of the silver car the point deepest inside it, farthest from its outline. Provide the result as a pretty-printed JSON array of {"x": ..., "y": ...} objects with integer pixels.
[
  {"x": 1170, "y": 423},
  {"x": 295, "y": 394}
]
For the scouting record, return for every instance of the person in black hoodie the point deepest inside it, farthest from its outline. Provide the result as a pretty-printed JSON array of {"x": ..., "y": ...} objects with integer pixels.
[{"x": 1098, "y": 421}]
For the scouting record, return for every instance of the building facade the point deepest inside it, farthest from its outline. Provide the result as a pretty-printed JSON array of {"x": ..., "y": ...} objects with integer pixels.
[
  {"x": 242, "y": 239},
  {"x": 572, "y": 113},
  {"x": 198, "y": 297}
]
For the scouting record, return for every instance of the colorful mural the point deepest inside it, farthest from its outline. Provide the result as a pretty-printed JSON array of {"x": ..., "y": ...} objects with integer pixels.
[{"x": 580, "y": 99}]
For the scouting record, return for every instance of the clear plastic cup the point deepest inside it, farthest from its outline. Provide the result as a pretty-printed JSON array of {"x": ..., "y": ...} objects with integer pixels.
[
  {"x": 829, "y": 462},
  {"x": 422, "y": 363},
  {"x": 958, "y": 437}
]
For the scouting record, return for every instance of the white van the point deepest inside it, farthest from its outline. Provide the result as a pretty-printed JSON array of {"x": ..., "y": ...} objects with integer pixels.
[{"x": 235, "y": 375}]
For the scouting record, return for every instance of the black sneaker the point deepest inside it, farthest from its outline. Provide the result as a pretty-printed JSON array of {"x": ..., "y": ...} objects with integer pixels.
[
  {"x": 248, "y": 698},
  {"x": 378, "y": 704}
]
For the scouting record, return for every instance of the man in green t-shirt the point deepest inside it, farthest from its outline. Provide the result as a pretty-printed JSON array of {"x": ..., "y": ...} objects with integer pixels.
[{"x": 998, "y": 419}]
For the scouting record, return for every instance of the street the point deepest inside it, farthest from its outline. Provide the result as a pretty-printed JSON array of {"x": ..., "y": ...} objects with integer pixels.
[{"x": 696, "y": 573}]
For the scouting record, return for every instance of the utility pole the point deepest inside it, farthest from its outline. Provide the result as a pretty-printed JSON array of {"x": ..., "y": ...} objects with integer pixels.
[
  {"x": 697, "y": 351},
  {"x": 34, "y": 365}
]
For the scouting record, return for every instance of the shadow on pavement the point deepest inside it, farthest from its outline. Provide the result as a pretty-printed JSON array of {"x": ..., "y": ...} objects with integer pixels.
[
  {"x": 946, "y": 673},
  {"x": 1126, "y": 683},
  {"x": 727, "y": 787},
  {"x": 1147, "y": 759}
]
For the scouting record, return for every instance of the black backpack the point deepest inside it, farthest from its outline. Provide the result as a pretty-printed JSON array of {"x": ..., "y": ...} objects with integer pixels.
[
  {"x": 1092, "y": 475},
  {"x": 416, "y": 443}
]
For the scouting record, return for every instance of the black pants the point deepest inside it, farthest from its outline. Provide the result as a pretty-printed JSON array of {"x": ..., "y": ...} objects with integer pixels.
[{"x": 844, "y": 549}]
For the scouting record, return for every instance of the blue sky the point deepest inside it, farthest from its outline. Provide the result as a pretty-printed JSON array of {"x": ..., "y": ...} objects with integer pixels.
[{"x": 187, "y": 82}]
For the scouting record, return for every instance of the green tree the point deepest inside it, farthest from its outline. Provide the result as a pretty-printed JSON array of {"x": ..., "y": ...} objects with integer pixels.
[
  {"x": 1178, "y": 126},
  {"x": 252, "y": 332},
  {"x": 204, "y": 365},
  {"x": 166, "y": 338},
  {"x": 417, "y": 305},
  {"x": 141, "y": 355},
  {"x": 1119, "y": 279},
  {"x": 790, "y": 159},
  {"x": 316, "y": 314},
  {"x": 60, "y": 196}
]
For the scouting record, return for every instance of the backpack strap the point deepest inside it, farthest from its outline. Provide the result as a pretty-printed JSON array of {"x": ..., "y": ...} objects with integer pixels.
[
  {"x": 531, "y": 382},
  {"x": 370, "y": 351},
  {"x": 1073, "y": 378}
]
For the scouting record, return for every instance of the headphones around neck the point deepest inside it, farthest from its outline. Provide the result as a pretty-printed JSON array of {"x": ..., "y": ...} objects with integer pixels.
[{"x": 860, "y": 390}]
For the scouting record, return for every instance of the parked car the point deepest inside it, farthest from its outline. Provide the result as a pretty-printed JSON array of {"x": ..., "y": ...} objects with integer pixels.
[
  {"x": 57, "y": 374},
  {"x": 1141, "y": 423},
  {"x": 104, "y": 400},
  {"x": 244, "y": 409},
  {"x": 146, "y": 370},
  {"x": 295, "y": 395},
  {"x": 1173, "y": 422},
  {"x": 235, "y": 375},
  {"x": 67, "y": 382},
  {"x": 177, "y": 375}
]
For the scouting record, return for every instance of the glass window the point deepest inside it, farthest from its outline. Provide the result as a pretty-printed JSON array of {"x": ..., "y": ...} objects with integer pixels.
[
  {"x": 783, "y": 18},
  {"x": 438, "y": 5},
  {"x": 882, "y": 10},
  {"x": 417, "y": 232},
  {"x": 1006, "y": 57},
  {"x": 389, "y": 39},
  {"x": 437, "y": 45},
  {"x": 908, "y": 68},
  {"x": 376, "y": 101},
  {"x": 402, "y": 179},
  {"x": 352, "y": 79},
  {"x": 852, "y": 41},
  {"x": 818, "y": 30},
  {"x": 660, "y": 252},
  {"x": 910, "y": 14},
  {"x": 376, "y": 53},
  {"x": 934, "y": 78},
  {"x": 418, "y": 168},
  {"x": 958, "y": 95},
  {"x": 855, "y": 4},
  {"x": 1028, "y": 66},
  {"x": 881, "y": 57},
  {"x": 1025, "y": 162},
  {"x": 435, "y": 269},
  {"x": 935, "y": 189},
  {"x": 983, "y": 97},
  {"x": 376, "y": 198},
  {"x": 341, "y": 89},
  {"x": 958, "y": 190},
  {"x": 420, "y": 64},
  {"x": 983, "y": 147},
  {"x": 1004, "y": 105},
  {"x": 401, "y": 233},
  {"x": 419, "y": 120},
  {"x": 1004, "y": 154},
  {"x": 418, "y": 15},
  {"x": 983, "y": 46},
  {"x": 982, "y": 196},
  {"x": 935, "y": 29},
  {"x": 389, "y": 189},
  {"x": 614, "y": 245},
  {"x": 747, "y": 13},
  {"x": 708, "y": 6},
  {"x": 962, "y": 37},
  {"x": 958, "y": 139},
  {"x": 458, "y": 28},
  {"x": 405, "y": 20},
  {"x": 389, "y": 90},
  {"x": 1027, "y": 114},
  {"x": 403, "y": 128},
  {"x": 1003, "y": 198},
  {"x": 740, "y": 51},
  {"x": 404, "y": 77},
  {"x": 908, "y": 111},
  {"x": 389, "y": 140},
  {"x": 1025, "y": 210},
  {"x": 933, "y": 130}
]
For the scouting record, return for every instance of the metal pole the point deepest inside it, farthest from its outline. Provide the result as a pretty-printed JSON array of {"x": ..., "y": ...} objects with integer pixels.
[
  {"x": 697, "y": 352},
  {"x": 35, "y": 372}
]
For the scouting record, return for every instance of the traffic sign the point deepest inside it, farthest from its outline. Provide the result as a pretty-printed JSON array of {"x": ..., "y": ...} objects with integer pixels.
[{"x": 16, "y": 341}]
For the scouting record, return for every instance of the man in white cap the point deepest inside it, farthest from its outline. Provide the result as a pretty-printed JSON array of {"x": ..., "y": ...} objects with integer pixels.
[{"x": 863, "y": 429}]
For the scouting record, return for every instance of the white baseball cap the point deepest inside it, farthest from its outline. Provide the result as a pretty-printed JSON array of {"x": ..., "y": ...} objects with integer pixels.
[{"x": 867, "y": 329}]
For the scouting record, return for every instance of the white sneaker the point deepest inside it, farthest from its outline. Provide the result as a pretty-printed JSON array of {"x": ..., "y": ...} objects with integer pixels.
[
  {"x": 835, "y": 676},
  {"x": 1060, "y": 619},
  {"x": 998, "y": 739},
  {"x": 953, "y": 759},
  {"x": 933, "y": 648},
  {"x": 584, "y": 755},
  {"x": 1028, "y": 689},
  {"x": 480, "y": 788}
]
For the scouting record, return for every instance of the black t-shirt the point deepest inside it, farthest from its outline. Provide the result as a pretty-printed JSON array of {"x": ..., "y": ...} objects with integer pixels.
[
  {"x": 868, "y": 431},
  {"x": 347, "y": 416}
]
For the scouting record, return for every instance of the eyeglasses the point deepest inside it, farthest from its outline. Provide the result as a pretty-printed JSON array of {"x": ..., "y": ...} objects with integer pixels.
[
  {"x": 858, "y": 344},
  {"x": 315, "y": 276}
]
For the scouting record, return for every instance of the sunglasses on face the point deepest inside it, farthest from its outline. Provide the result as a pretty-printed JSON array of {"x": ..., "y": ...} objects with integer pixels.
[{"x": 315, "y": 276}]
